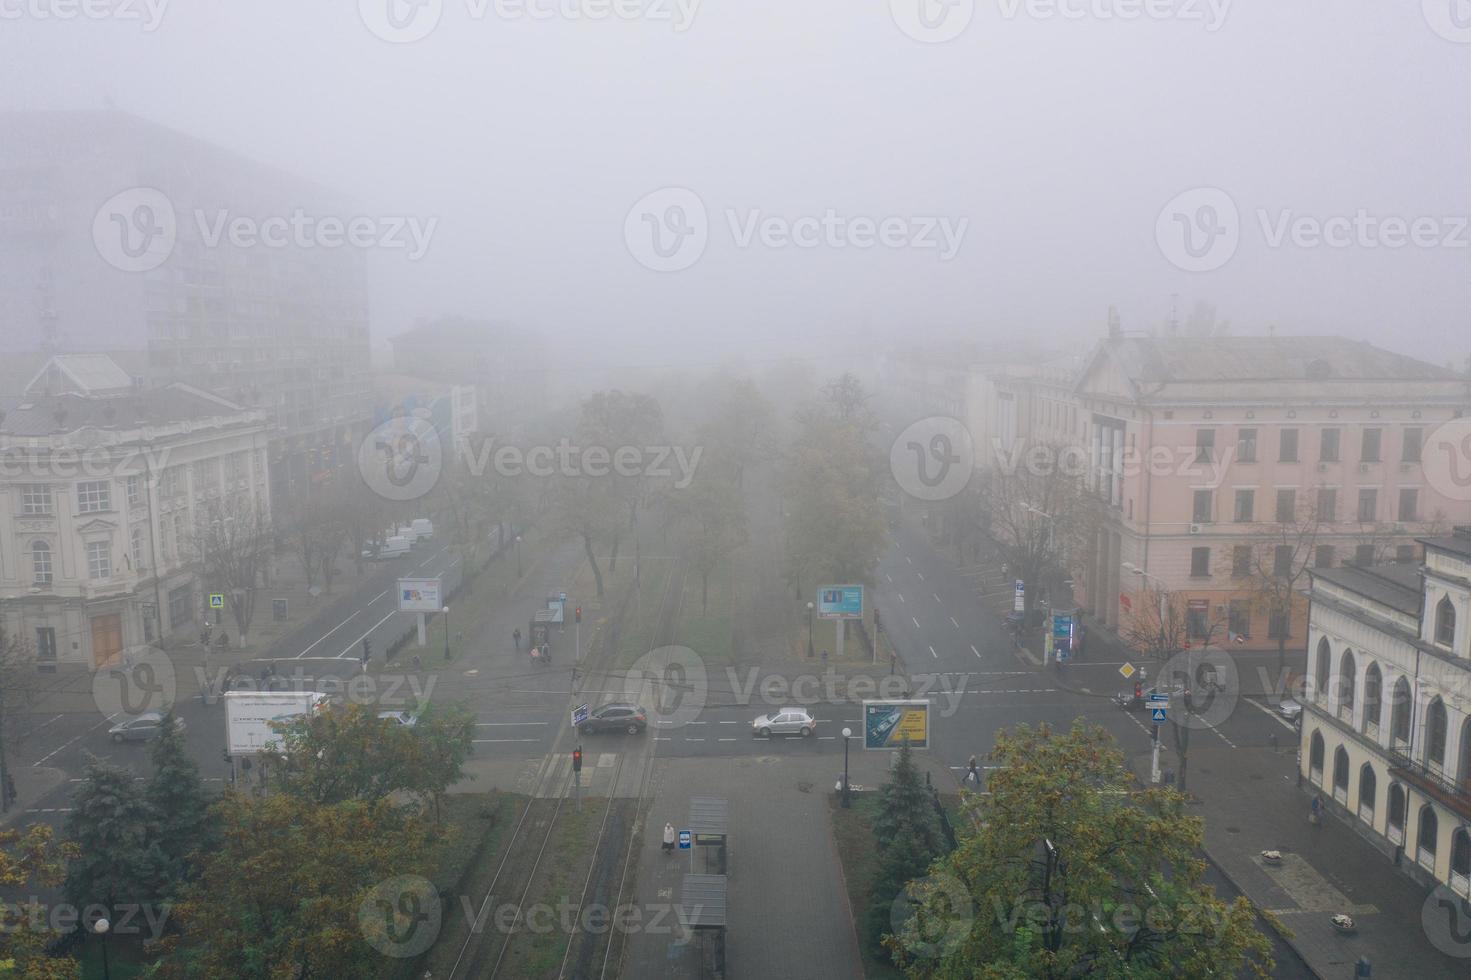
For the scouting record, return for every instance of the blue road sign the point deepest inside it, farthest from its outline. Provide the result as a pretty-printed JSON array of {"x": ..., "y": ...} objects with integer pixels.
[
  {"x": 579, "y": 715},
  {"x": 1157, "y": 714},
  {"x": 684, "y": 840},
  {"x": 1158, "y": 698}
]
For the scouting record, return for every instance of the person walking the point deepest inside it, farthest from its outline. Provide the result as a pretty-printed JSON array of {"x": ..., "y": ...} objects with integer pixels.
[
  {"x": 516, "y": 638},
  {"x": 669, "y": 838},
  {"x": 973, "y": 772}
]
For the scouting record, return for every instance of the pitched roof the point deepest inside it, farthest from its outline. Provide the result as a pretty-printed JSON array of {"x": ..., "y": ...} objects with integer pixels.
[
  {"x": 46, "y": 415},
  {"x": 84, "y": 373},
  {"x": 1186, "y": 359}
]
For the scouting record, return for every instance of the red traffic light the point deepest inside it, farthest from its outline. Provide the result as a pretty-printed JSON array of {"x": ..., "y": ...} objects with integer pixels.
[
  {"x": 577, "y": 760},
  {"x": 578, "y": 613}
]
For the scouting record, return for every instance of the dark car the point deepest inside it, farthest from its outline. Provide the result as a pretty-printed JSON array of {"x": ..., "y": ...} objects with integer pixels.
[{"x": 617, "y": 717}]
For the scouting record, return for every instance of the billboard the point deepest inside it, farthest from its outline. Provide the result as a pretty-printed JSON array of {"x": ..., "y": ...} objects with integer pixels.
[
  {"x": 248, "y": 717},
  {"x": 419, "y": 595},
  {"x": 886, "y": 724},
  {"x": 840, "y": 602}
]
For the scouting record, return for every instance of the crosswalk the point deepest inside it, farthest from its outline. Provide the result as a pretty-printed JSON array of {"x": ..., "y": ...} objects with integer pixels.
[{"x": 551, "y": 776}]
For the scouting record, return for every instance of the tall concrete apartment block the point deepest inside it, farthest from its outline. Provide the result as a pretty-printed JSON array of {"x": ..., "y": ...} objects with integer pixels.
[{"x": 274, "y": 326}]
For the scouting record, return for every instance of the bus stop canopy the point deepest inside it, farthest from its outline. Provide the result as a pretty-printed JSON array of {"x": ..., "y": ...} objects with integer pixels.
[
  {"x": 709, "y": 817},
  {"x": 703, "y": 905}
]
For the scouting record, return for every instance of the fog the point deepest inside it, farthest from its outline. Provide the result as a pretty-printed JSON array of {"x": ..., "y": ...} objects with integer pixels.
[{"x": 1047, "y": 138}]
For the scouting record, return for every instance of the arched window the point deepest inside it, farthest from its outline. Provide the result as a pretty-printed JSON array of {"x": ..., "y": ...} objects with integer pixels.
[
  {"x": 1399, "y": 712},
  {"x": 1315, "y": 758},
  {"x": 1397, "y": 805},
  {"x": 1373, "y": 691},
  {"x": 1435, "y": 731},
  {"x": 40, "y": 563},
  {"x": 1368, "y": 785},
  {"x": 1465, "y": 757},
  {"x": 1461, "y": 853},
  {"x": 1340, "y": 775},
  {"x": 1445, "y": 622},
  {"x": 1347, "y": 680},
  {"x": 1425, "y": 837},
  {"x": 1325, "y": 653}
]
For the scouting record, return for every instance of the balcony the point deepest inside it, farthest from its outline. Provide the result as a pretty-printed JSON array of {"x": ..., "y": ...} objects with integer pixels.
[{"x": 1433, "y": 782}]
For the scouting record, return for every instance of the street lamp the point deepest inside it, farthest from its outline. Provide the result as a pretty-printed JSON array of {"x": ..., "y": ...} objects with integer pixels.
[
  {"x": 847, "y": 734},
  {"x": 810, "y": 607},
  {"x": 518, "y": 556},
  {"x": 100, "y": 927},
  {"x": 445, "y": 610}
]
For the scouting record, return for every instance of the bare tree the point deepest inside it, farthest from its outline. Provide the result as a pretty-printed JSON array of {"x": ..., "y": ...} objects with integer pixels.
[
  {"x": 231, "y": 539},
  {"x": 1281, "y": 553},
  {"x": 18, "y": 691}
]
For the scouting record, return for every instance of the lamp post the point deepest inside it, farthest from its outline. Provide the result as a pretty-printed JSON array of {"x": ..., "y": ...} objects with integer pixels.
[
  {"x": 100, "y": 927},
  {"x": 518, "y": 556},
  {"x": 847, "y": 734},
  {"x": 810, "y": 607},
  {"x": 445, "y": 610}
]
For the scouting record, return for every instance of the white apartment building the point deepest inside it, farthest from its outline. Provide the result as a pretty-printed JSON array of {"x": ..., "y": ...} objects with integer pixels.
[
  {"x": 1386, "y": 731},
  {"x": 102, "y": 483}
]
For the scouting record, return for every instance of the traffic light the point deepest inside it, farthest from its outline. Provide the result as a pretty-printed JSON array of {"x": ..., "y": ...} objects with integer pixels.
[
  {"x": 367, "y": 650},
  {"x": 577, "y": 614},
  {"x": 1138, "y": 690},
  {"x": 577, "y": 759}
]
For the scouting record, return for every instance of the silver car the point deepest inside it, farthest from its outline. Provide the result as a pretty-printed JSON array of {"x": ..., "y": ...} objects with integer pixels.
[
  {"x": 785, "y": 721},
  {"x": 143, "y": 727}
]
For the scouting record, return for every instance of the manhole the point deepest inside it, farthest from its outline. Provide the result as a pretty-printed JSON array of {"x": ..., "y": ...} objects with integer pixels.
[{"x": 1233, "y": 830}]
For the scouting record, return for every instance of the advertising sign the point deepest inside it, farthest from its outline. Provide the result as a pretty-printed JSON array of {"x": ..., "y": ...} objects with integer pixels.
[
  {"x": 419, "y": 595},
  {"x": 840, "y": 602},
  {"x": 886, "y": 724},
  {"x": 1019, "y": 603},
  {"x": 249, "y": 714}
]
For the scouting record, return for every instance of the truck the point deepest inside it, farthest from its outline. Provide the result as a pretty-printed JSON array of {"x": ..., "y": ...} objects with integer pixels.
[{"x": 249, "y": 714}]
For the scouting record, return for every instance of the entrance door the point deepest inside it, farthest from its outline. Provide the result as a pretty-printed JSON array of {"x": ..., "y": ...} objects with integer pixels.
[{"x": 107, "y": 639}]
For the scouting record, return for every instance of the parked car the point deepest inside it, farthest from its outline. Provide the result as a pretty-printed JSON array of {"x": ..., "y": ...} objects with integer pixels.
[
  {"x": 617, "y": 717},
  {"x": 143, "y": 727},
  {"x": 785, "y": 721},
  {"x": 1291, "y": 710},
  {"x": 403, "y": 718},
  {"x": 393, "y": 547}
]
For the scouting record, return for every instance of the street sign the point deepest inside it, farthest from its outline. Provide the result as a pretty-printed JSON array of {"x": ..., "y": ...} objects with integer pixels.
[
  {"x": 1157, "y": 714},
  {"x": 1157, "y": 698},
  {"x": 840, "y": 602},
  {"x": 579, "y": 715},
  {"x": 1019, "y": 603},
  {"x": 419, "y": 595},
  {"x": 684, "y": 840},
  {"x": 1128, "y": 670},
  {"x": 217, "y": 600}
]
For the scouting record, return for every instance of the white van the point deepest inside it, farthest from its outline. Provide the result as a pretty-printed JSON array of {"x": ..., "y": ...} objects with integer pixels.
[
  {"x": 422, "y": 527},
  {"x": 395, "y": 546}
]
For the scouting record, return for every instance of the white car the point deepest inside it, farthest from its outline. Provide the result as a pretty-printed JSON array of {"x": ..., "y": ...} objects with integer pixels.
[
  {"x": 785, "y": 721},
  {"x": 1291, "y": 710},
  {"x": 403, "y": 718}
]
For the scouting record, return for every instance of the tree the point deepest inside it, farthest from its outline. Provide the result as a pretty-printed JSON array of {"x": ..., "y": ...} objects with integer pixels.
[
  {"x": 19, "y": 685},
  {"x": 739, "y": 432},
  {"x": 231, "y": 538},
  {"x": 117, "y": 858},
  {"x": 180, "y": 806},
  {"x": 613, "y": 420},
  {"x": 30, "y": 860},
  {"x": 713, "y": 517},
  {"x": 1281, "y": 554},
  {"x": 1073, "y": 871},
  {"x": 909, "y": 837},
  {"x": 589, "y": 509}
]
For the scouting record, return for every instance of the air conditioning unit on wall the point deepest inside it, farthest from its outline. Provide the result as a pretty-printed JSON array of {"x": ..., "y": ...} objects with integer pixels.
[{"x": 1195, "y": 529}]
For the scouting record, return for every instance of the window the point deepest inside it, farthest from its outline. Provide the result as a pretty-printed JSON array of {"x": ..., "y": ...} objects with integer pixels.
[
  {"x": 1347, "y": 678},
  {"x": 171, "y": 482},
  {"x": 1321, "y": 668},
  {"x": 1286, "y": 506},
  {"x": 138, "y": 547},
  {"x": 35, "y": 498},
  {"x": 1328, "y": 450},
  {"x": 1324, "y": 556},
  {"x": 1315, "y": 758},
  {"x": 1287, "y": 446},
  {"x": 1399, "y": 712},
  {"x": 1239, "y": 617},
  {"x": 1445, "y": 622},
  {"x": 1246, "y": 445},
  {"x": 1373, "y": 689},
  {"x": 1414, "y": 442},
  {"x": 99, "y": 559},
  {"x": 93, "y": 496},
  {"x": 1201, "y": 513},
  {"x": 1200, "y": 562},
  {"x": 1367, "y": 787},
  {"x": 1425, "y": 839},
  {"x": 46, "y": 646},
  {"x": 1369, "y": 447},
  {"x": 1195, "y": 619},
  {"x": 181, "y": 606},
  {"x": 1205, "y": 445},
  {"x": 1277, "y": 625},
  {"x": 1245, "y": 505},
  {"x": 1435, "y": 732},
  {"x": 135, "y": 491},
  {"x": 1327, "y": 504},
  {"x": 1340, "y": 772},
  {"x": 40, "y": 563},
  {"x": 1404, "y": 554},
  {"x": 1282, "y": 561},
  {"x": 1241, "y": 560},
  {"x": 1368, "y": 504},
  {"x": 1364, "y": 554},
  {"x": 1409, "y": 504}
]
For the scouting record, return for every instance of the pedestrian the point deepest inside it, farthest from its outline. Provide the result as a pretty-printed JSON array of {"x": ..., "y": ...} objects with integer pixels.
[
  {"x": 669, "y": 838},
  {"x": 516, "y": 637},
  {"x": 973, "y": 772}
]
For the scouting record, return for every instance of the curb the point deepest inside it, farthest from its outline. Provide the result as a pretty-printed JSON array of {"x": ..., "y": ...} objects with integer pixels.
[{"x": 1290, "y": 943}]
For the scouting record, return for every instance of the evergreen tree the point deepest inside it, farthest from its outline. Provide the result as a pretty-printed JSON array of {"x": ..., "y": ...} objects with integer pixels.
[
  {"x": 117, "y": 860},
  {"x": 906, "y": 805},
  {"x": 180, "y": 806}
]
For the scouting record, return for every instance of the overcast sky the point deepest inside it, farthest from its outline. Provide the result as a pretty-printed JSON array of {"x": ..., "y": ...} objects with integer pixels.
[{"x": 1048, "y": 146}]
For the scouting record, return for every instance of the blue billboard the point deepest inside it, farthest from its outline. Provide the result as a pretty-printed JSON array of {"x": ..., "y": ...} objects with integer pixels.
[{"x": 840, "y": 602}]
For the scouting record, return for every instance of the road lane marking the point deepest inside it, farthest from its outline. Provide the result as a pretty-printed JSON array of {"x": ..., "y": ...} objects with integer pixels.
[
  {"x": 492, "y": 724},
  {"x": 377, "y": 597},
  {"x": 957, "y": 625},
  {"x": 974, "y": 650},
  {"x": 351, "y": 647},
  {"x": 934, "y": 654},
  {"x": 900, "y": 595},
  {"x": 330, "y": 632},
  {"x": 688, "y": 739},
  {"x": 1271, "y": 714},
  {"x": 937, "y": 597},
  {"x": 725, "y": 740},
  {"x": 888, "y": 577},
  {"x": 914, "y": 621},
  {"x": 920, "y": 574},
  {"x": 75, "y": 740},
  {"x": 908, "y": 559},
  {"x": 488, "y": 741}
]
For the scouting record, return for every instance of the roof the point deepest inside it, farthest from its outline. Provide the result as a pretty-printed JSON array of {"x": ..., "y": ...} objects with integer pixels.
[
  {"x": 85, "y": 373},
  {"x": 1458, "y": 543},
  {"x": 18, "y": 369},
  {"x": 1184, "y": 359},
  {"x": 709, "y": 815},
  {"x": 47, "y": 415},
  {"x": 703, "y": 901},
  {"x": 1395, "y": 586}
]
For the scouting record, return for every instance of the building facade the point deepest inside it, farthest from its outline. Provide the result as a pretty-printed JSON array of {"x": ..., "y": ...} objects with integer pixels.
[
  {"x": 102, "y": 485},
  {"x": 1386, "y": 732}
]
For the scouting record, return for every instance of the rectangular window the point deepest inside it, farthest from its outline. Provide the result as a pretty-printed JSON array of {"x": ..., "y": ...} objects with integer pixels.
[
  {"x": 1324, "y": 556},
  {"x": 1205, "y": 445},
  {"x": 1239, "y": 621},
  {"x": 40, "y": 563},
  {"x": 99, "y": 559},
  {"x": 138, "y": 547},
  {"x": 1245, "y": 505},
  {"x": 1404, "y": 554},
  {"x": 1327, "y": 505},
  {"x": 1368, "y": 504},
  {"x": 1246, "y": 445},
  {"x": 1201, "y": 513},
  {"x": 181, "y": 606},
  {"x": 1369, "y": 448},
  {"x": 1414, "y": 442},
  {"x": 1287, "y": 446},
  {"x": 1282, "y": 561},
  {"x": 1200, "y": 562},
  {"x": 135, "y": 491},
  {"x": 1277, "y": 624},
  {"x": 1196, "y": 614},
  {"x": 1364, "y": 554},
  {"x": 1409, "y": 504},
  {"x": 1328, "y": 450},
  {"x": 1286, "y": 506},
  {"x": 93, "y": 496},
  {"x": 46, "y": 645},
  {"x": 1241, "y": 561},
  {"x": 35, "y": 499}
]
